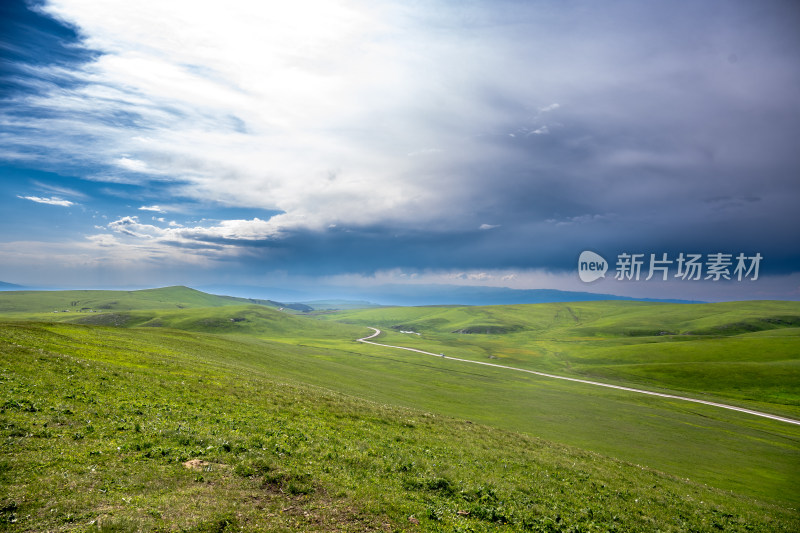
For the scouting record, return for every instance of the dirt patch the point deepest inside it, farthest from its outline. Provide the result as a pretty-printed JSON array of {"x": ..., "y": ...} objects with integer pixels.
[{"x": 196, "y": 464}]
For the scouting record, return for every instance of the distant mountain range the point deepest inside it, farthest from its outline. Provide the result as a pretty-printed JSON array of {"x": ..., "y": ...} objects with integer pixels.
[
  {"x": 462, "y": 295},
  {"x": 405, "y": 295},
  {"x": 414, "y": 295}
]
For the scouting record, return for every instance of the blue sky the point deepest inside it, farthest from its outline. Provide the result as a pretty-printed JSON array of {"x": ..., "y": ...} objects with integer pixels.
[{"x": 348, "y": 143}]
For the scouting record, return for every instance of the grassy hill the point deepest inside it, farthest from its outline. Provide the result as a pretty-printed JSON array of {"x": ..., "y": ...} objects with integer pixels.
[
  {"x": 168, "y": 430},
  {"x": 251, "y": 320},
  {"x": 302, "y": 428},
  {"x": 748, "y": 352},
  {"x": 27, "y": 302},
  {"x": 581, "y": 319}
]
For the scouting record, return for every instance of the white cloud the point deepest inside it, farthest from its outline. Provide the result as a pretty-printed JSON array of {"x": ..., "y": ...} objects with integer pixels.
[
  {"x": 154, "y": 208},
  {"x": 224, "y": 233},
  {"x": 132, "y": 164},
  {"x": 488, "y": 226},
  {"x": 132, "y": 227},
  {"x": 424, "y": 152},
  {"x": 103, "y": 239},
  {"x": 58, "y": 190},
  {"x": 771, "y": 287},
  {"x": 49, "y": 201},
  {"x": 95, "y": 261},
  {"x": 311, "y": 107}
]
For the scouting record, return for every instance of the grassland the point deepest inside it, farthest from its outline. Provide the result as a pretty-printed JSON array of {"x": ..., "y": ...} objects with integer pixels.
[
  {"x": 743, "y": 352},
  {"x": 27, "y": 303},
  {"x": 301, "y": 428}
]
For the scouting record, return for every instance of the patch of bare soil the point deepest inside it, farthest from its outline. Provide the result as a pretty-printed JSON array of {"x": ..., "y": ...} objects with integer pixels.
[{"x": 196, "y": 464}]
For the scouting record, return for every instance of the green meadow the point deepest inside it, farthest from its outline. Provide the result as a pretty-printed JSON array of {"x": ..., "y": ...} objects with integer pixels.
[
  {"x": 40, "y": 303},
  {"x": 746, "y": 353},
  {"x": 171, "y": 410}
]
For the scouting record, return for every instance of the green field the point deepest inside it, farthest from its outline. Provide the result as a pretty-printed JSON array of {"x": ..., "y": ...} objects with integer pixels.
[
  {"x": 26, "y": 303},
  {"x": 302, "y": 428},
  {"x": 746, "y": 353}
]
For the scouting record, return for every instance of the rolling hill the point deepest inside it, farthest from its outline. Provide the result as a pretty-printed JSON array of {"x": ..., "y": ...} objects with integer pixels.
[
  {"x": 287, "y": 423},
  {"x": 743, "y": 351},
  {"x": 99, "y": 301}
]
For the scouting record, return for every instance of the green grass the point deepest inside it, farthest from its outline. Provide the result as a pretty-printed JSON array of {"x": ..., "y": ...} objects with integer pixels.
[
  {"x": 305, "y": 429},
  {"x": 88, "y": 301},
  {"x": 253, "y": 320},
  {"x": 97, "y": 422},
  {"x": 742, "y": 352}
]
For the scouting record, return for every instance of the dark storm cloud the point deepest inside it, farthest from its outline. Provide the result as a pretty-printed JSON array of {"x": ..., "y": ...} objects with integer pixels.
[{"x": 670, "y": 108}]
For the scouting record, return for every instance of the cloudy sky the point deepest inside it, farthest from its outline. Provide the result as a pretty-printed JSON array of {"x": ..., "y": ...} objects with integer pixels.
[{"x": 359, "y": 143}]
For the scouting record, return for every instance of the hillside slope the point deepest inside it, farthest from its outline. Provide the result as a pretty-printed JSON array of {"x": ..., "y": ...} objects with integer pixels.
[
  {"x": 160, "y": 429},
  {"x": 582, "y": 319},
  {"x": 26, "y": 302},
  {"x": 234, "y": 319},
  {"x": 748, "y": 352},
  {"x": 726, "y": 450}
]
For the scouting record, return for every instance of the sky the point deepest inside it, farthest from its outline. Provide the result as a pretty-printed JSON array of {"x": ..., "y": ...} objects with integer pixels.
[{"x": 350, "y": 143}]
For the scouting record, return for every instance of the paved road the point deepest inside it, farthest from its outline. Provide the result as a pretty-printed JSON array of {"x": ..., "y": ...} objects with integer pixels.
[{"x": 596, "y": 383}]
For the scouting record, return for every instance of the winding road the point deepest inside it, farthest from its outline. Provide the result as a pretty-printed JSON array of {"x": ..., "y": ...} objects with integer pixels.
[{"x": 587, "y": 382}]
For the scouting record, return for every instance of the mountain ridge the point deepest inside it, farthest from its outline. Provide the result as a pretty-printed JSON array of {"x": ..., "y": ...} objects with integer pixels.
[{"x": 430, "y": 294}]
